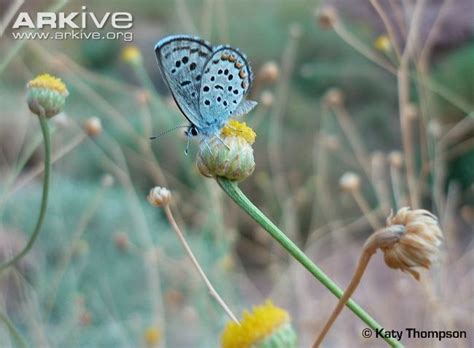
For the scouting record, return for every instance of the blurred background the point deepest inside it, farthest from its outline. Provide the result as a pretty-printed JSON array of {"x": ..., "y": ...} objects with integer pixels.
[{"x": 107, "y": 270}]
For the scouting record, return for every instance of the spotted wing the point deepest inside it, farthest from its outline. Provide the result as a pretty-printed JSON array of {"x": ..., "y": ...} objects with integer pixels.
[
  {"x": 181, "y": 59},
  {"x": 226, "y": 80}
]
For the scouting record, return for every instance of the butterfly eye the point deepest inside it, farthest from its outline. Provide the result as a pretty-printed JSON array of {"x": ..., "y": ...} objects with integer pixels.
[{"x": 194, "y": 131}]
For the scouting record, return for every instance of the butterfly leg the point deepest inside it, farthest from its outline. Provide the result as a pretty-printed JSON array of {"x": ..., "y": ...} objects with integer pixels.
[
  {"x": 208, "y": 147},
  {"x": 222, "y": 141},
  {"x": 187, "y": 144}
]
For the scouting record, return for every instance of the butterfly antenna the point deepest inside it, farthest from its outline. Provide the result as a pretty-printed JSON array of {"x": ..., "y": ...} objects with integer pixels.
[{"x": 153, "y": 137}]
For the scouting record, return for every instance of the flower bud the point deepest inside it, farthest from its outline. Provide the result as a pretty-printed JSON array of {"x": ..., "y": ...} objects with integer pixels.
[
  {"x": 93, "y": 126},
  {"x": 349, "y": 182},
  {"x": 159, "y": 196},
  {"x": 382, "y": 43},
  {"x": 46, "y": 95},
  {"x": 269, "y": 72},
  {"x": 326, "y": 17},
  {"x": 131, "y": 54},
  {"x": 334, "y": 97},
  {"x": 395, "y": 158},
  {"x": 266, "y": 99},
  {"x": 152, "y": 336},
  {"x": 230, "y": 155}
]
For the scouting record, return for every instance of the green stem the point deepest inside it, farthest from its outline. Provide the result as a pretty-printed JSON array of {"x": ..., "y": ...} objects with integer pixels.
[
  {"x": 231, "y": 188},
  {"x": 20, "y": 341},
  {"x": 44, "y": 200}
]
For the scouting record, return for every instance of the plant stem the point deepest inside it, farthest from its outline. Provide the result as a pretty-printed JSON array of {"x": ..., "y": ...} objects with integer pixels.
[
  {"x": 382, "y": 238},
  {"x": 233, "y": 191},
  {"x": 187, "y": 248},
  {"x": 20, "y": 341},
  {"x": 44, "y": 200}
]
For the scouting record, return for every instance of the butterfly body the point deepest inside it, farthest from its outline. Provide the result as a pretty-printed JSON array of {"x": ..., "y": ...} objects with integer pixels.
[{"x": 208, "y": 83}]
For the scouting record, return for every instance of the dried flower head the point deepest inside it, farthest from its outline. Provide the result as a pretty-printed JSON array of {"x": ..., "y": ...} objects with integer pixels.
[
  {"x": 93, "y": 126},
  {"x": 296, "y": 30},
  {"x": 266, "y": 326},
  {"x": 411, "y": 111},
  {"x": 46, "y": 95},
  {"x": 395, "y": 158},
  {"x": 230, "y": 155},
  {"x": 121, "y": 241},
  {"x": 330, "y": 141},
  {"x": 382, "y": 43},
  {"x": 269, "y": 72},
  {"x": 159, "y": 196},
  {"x": 349, "y": 182},
  {"x": 419, "y": 246},
  {"x": 266, "y": 99},
  {"x": 107, "y": 180},
  {"x": 334, "y": 97},
  {"x": 326, "y": 17},
  {"x": 131, "y": 54}
]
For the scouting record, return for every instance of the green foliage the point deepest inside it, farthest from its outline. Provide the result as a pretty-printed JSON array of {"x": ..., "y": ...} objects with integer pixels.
[{"x": 113, "y": 283}]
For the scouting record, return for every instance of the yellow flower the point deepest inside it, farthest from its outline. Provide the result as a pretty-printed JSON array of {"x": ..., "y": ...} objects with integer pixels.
[
  {"x": 46, "y": 95},
  {"x": 382, "y": 43},
  {"x": 131, "y": 54},
  {"x": 266, "y": 326},
  {"x": 152, "y": 336},
  {"x": 229, "y": 156},
  {"x": 49, "y": 82},
  {"x": 238, "y": 129}
]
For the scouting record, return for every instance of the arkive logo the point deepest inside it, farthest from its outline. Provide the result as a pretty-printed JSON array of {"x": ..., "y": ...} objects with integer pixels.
[{"x": 73, "y": 20}]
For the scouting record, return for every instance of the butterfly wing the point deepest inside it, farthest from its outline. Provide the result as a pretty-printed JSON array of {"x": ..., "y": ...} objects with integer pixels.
[
  {"x": 181, "y": 59},
  {"x": 226, "y": 80}
]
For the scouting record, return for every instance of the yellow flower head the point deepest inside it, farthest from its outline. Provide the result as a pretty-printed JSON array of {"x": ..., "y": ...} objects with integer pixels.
[
  {"x": 131, "y": 54},
  {"x": 46, "y": 95},
  {"x": 48, "y": 82},
  {"x": 382, "y": 43},
  {"x": 152, "y": 336},
  {"x": 238, "y": 129},
  {"x": 256, "y": 327}
]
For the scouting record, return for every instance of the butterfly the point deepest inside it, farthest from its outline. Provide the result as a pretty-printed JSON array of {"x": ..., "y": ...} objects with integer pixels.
[{"x": 208, "y": 83}]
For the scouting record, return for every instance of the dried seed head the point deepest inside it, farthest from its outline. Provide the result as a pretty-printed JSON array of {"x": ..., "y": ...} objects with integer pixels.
[
  {"x": 46, "y": 95},
  {"x": 378, "y": 160},
  {"x": 121, "y": 241},
  {"x": 107, "y": 180},
  {"x": 296, "y": 30},
  {"x": 93, "y": 126},
  {"x": 435, "y": 128},
  {"x": 326, "y": 17},
  {"x": 334, "y": 97},
  {"x": 411, "y": 111},
  {"x": 395, "y": 159},
  {"x": 349, "y": 182},
  {"x": 266, "y": 99},
  {"x": 159, "y": 196},
  {"x": 419, "y": 246},
  {"x": 269, "y": 72},
  {"x": 143, "y": 97},
  {"x": 330, "y": 141}
]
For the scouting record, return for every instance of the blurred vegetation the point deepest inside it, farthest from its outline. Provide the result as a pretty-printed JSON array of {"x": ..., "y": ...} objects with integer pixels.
[{"x": 80, "y": 271}]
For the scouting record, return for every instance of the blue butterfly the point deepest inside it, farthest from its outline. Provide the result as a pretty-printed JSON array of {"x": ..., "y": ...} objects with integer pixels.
[{"x": 208, "y": 83}]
